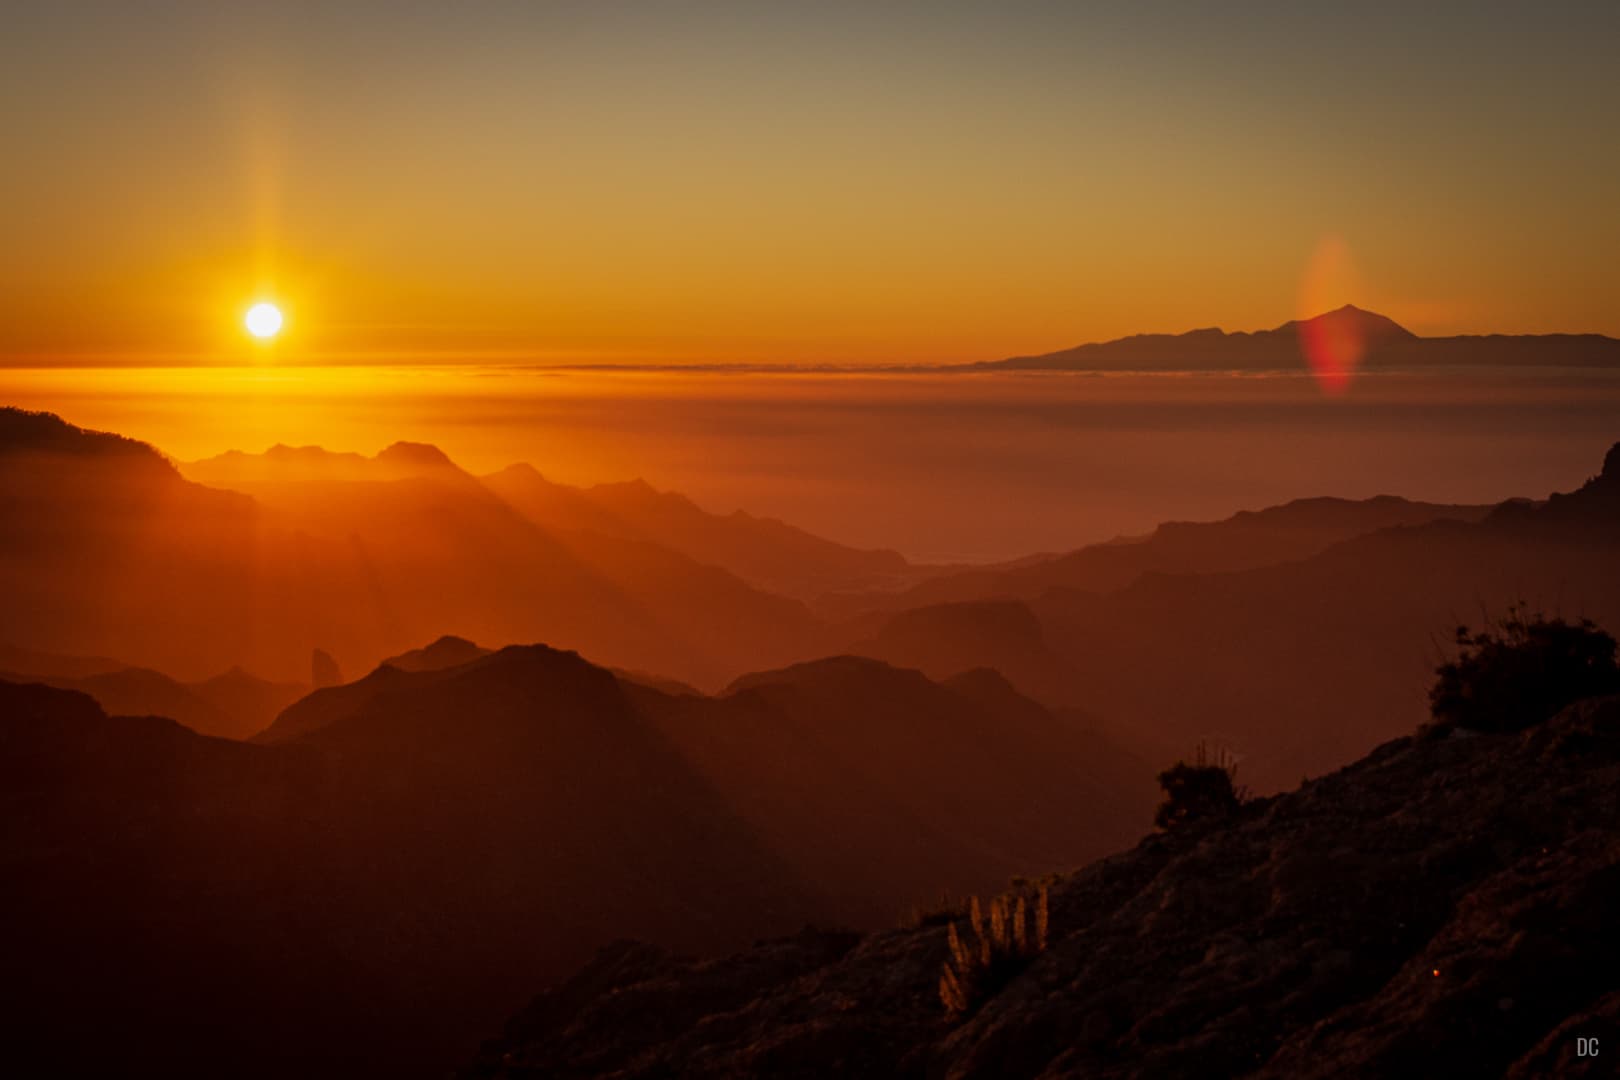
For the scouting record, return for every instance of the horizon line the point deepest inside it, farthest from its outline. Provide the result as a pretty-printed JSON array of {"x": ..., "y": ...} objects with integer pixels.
[{"x": 532, "y": 359}]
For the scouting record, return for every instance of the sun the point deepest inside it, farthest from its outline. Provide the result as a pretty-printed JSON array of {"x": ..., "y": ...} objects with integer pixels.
[{"x": 263, "y": 320}]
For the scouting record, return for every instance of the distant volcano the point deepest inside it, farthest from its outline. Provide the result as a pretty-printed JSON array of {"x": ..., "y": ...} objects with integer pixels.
[{"x": 1328, "y": 339}]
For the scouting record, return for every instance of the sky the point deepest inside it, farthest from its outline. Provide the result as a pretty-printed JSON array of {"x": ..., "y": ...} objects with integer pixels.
[{"x": 800, "y": 183}]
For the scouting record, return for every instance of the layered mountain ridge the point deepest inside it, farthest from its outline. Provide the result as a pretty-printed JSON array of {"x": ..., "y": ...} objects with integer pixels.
[
  {"x": 1305, "y": 631},
  {"x": 114, "y": 552},
  {"x": 1296, "y": 665},
  {"x": 425, "y": 841},
  {"x": 701, "y": 760}
]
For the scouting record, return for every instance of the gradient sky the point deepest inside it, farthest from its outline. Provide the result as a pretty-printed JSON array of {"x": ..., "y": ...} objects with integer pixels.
[{"x": 795, "y": 182}]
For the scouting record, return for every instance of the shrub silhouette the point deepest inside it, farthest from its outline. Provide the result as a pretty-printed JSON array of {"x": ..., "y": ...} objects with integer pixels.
[
  {"x": 1521, "y": 671},
  {"x": 1200, "y": 791},
  {"x": 994, "y": 950}
]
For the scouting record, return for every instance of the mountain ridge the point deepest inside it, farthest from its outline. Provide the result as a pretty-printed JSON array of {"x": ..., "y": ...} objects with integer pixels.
[
  {"x": 407, "y": 848},
  {"x": 1387, "y": 344},
  {"x": 1294, "y": 529},
  {"x": 139, "y": 561},
  {"x": 1439, "y": 907},
  {"x": 1299, "y": 664}
]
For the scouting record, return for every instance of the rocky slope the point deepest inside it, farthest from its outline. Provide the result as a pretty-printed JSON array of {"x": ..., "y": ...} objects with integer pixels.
[{"x": 1442, "y": 907}]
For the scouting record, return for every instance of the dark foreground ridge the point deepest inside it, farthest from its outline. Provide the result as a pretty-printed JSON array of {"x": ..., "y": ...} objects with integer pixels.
[{"x": 1443, "y": 907}]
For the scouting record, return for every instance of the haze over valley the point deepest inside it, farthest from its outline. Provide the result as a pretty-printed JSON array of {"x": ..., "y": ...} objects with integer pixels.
[{"x": 1037, "y": 461}]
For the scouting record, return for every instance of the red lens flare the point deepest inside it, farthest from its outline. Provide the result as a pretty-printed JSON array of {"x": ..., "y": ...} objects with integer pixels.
[{"x": 1334, "y": 344}]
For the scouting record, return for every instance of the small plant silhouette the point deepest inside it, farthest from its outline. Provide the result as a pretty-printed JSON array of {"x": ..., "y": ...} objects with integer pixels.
[
  {"x": 993, "y": 950},
  {"x": 946, "y": 909},
  {"x": 1521, "y": 670},
  {"x": 1203, "y": 790}
]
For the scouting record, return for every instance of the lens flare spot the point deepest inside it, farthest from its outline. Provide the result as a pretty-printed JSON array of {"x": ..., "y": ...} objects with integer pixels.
[{"x": 1333, "y": 345}]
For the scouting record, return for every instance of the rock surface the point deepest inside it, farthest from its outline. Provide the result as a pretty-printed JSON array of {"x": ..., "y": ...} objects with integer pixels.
[{"x": 1443, "y": 907}]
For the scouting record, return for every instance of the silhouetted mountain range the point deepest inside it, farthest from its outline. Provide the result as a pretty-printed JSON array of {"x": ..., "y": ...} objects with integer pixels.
[
  {"x": 107, "y": 549},
  {"x": 1442, "y": 907},
  {"x": 510, "y": 558},
  {"x": 1298, "y": 665},
  {"x": 447, "y": 652},
  {"x": 140, "y": 692},
  {"x": 392, "y": 861},
  {"x": 767, "y": 553},
  {"x": 232, "y": 705},
  {"x": 1387, "y": 345},
  {"x": 250, "y": 701},
  {"x": 424, "y": 842},
  {"x": 239, "y": 470},
  {"x": 1247, "y": 540},
  {"x": 1305, "y": 631}
]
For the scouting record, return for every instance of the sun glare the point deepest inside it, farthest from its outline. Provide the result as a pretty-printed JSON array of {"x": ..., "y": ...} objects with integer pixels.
[{"x": 263, "y": 320}]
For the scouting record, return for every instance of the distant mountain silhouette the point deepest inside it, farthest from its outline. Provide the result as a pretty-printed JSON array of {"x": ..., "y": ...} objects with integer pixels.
[
  {"x": 1299, "y": 630},
  {"x": 433, "y": 838},
  {"x": 107, "y": 549},
  {"x": 448, "y": 651},
  {"x": 1245, "y": 541},
  {"x": 1442, "y": 907},
  {"x": 184, "y": 902},
  {"x": 238, "y": 470},
  {"x": 661, "y": 683},
  {"x": 443, "y": 548},
  {"x": 414, "y": 459},
  {"x": 251, "y": 702},
  {"x": 874, "y": 779},
  {"x": 765, "y": 552},
  {"x": 326, "y": 705},
  {"x": 1298, "y": 665},
  {"x": 857, "y": 739},
  {"x": 233, "y": 705},
  {"x": 944, "y": 640},
  {"x": 141, "y": 692},
  {"x": 1387, "y": 344}
]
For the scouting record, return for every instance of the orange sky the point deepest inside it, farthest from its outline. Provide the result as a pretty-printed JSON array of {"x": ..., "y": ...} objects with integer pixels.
[{"x": 770, "y": 183}]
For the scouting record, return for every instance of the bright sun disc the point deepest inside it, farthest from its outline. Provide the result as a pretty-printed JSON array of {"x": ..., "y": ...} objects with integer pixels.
[{"x": 263, "y": 320}]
